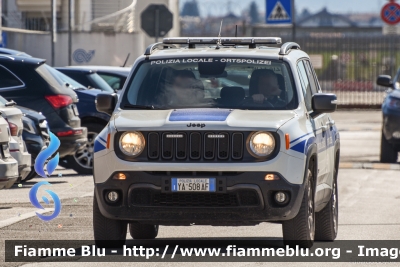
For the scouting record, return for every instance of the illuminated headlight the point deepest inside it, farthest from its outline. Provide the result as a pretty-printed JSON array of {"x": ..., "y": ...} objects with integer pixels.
[
  {"x": 262, "y": 144},
  {"x": 132, "y": 143}
]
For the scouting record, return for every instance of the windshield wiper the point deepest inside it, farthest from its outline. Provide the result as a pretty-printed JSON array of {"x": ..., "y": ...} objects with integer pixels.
[{"x": 140, "y": 106}]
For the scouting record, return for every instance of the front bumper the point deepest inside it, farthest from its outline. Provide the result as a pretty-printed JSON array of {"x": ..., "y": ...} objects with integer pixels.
[
  {"x": 241, "y": 199},
  {"x": 8, "y": 171},
  {"x": 70, "y": 144}
]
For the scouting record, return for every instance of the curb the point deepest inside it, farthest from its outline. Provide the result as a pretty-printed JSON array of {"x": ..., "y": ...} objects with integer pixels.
[{"x": 369, "y": 166}]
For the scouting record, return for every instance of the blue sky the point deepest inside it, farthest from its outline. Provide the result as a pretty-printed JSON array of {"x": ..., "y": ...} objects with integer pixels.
[{"x": 220, "y": 7}]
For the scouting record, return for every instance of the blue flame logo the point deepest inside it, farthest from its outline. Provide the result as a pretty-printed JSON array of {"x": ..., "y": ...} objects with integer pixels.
[
  {"x": 39, "y": 168},
  {"x": 35, "y": 201},
  {"x": 45, "y": 154}
]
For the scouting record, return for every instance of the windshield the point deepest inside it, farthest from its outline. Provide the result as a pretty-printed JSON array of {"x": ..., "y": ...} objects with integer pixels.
[
  {"x": 236, "y": 83},
  {"x": 100, "y": 83}
]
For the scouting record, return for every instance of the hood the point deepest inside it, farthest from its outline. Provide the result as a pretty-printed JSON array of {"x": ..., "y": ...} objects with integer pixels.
[
  {"x": 201, "y": 119},
  {"x": 32, "y": 114}
]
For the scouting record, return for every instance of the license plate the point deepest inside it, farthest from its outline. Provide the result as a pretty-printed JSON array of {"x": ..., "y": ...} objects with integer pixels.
[{"x": 193, "y": 185}]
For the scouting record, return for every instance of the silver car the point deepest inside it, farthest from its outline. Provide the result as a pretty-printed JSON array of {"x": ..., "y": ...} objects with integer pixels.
[
  {"x": 13, "y": 117},
  {"x": 8, "y": 165}
]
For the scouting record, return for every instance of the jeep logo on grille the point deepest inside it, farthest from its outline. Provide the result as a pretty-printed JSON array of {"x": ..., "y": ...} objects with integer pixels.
[
  {"x": 216, "y": 136},
  {"x": 196, "y": 125}
]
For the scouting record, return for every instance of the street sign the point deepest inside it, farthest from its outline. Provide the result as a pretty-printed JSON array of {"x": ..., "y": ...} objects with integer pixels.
[
  {"x": 156, "y": 20},
  {"x": 391, "y": 13},
  {"x": 279, "y": 12}
]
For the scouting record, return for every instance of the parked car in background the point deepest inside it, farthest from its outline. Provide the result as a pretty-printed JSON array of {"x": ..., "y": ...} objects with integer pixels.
[
  {"x": 390, "y": 140},
  {"x": 114, "y": 76},
  {"x": 6, "y": 51},
  {"x": 88, "y": 78},
  {"x": 8, "y": 165},
  {"x": 94, "y": 121},
  {"x": 31, "y": 83},
  {"x": 35, "y": 134},
  {"x": 18, "y": 150}
]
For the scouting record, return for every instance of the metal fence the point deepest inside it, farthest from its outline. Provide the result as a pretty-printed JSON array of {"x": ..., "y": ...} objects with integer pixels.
[{"x": 347, "y": 60}]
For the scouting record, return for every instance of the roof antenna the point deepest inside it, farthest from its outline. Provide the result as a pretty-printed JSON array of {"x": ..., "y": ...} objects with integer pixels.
[
  {"x": 236, "y": 31},
  {"x": 219, "y": 35}
]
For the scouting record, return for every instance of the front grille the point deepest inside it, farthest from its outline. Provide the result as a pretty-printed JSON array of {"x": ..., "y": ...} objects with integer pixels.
[
  {"x": 195, "y": 146},
  {"x": 149, "y": 197}
]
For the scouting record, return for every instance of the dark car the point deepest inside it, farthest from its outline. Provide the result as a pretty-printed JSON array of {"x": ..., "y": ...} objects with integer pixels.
[
  {"x": 114, "y": 76},
  {"x": 94, "y": 121},
  {"x": 7, "y": 51},
  {"x": 88, "y": 78},
  {"x": 35, "y": 134},
  {"x": 390, "y": 141},
  {"x": 30, "y": 82}
]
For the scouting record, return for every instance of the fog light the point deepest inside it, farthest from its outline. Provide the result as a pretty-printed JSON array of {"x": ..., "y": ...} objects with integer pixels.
[
  {"x": 396, "y": 134},
  {"x": 271, "y": 177},
  {"x": 119, "y": 176},
  {"x": 112, "y": 196},
  {"x": 280, "y": 197}
]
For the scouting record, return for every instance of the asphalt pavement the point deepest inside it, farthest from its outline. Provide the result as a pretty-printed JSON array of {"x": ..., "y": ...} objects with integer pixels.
[{"x": 369, "y": 198}]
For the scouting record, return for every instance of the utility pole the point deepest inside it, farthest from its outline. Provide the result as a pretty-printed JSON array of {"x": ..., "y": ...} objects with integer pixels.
[
  {"x": 69, "y": 32},
  {"x": 293, "y": 22},
  {"x": 53, "y": 30}
]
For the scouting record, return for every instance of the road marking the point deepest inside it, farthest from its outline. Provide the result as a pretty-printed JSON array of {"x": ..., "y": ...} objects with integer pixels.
[
  {"x": 22, "y": 217},
  {"x": 369, "y": 166},
  {"x": 90, "y": 194},
  {"x": 359, "y": 129}
]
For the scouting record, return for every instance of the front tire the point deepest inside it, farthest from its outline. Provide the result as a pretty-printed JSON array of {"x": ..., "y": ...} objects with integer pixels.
[
  {"x": 143, "y": 231},
  {"x": 108, "y": 233},
  {"x": 82, "y": 161},
  {"x": 388, "y": 152},
  {"x": 301, "y": 229},
  {"x": 326, "y": 221}
]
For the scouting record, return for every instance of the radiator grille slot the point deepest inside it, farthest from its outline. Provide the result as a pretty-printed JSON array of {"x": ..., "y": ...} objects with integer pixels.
[
  {"x": 237, "y": 146},
  {"x": 153, "y": 146},
  {"x": 181, "y": 146},
  {"x": 167, "y": 146}
]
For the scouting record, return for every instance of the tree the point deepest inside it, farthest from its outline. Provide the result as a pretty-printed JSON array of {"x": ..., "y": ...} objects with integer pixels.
[{"x": 254, "y": 13}]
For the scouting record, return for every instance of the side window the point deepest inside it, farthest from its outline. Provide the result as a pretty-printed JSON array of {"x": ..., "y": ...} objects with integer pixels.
[
  {"x": 397, "y": 83},
  {"x": 305, "y": 84},
  {"x": 8, "y": 79},
  {"x": 113, "y": 81},
  {"x": 311, "y": 77}
]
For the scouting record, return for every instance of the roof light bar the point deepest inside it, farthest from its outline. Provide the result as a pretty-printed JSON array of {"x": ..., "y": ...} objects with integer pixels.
[{"x": 226, "y": 40}]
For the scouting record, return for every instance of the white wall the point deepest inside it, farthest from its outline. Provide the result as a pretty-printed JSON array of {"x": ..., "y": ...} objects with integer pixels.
[{"x": 109, "y": 49}]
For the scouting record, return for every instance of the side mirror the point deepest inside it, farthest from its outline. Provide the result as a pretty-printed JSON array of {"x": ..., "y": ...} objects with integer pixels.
[
  {"x": 323, "y": 103},
  {"x": 384, "y": 80},
  {"x": 106, "y": 103}
]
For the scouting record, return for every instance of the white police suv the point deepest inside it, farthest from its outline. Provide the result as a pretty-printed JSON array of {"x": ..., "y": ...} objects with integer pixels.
[{"x": 218, "y": 131}]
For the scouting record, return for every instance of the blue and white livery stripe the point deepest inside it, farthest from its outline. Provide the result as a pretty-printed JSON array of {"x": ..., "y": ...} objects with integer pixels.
[
  {"x": 199, "y": 115},
  {"x": 100, "y": 142}
]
